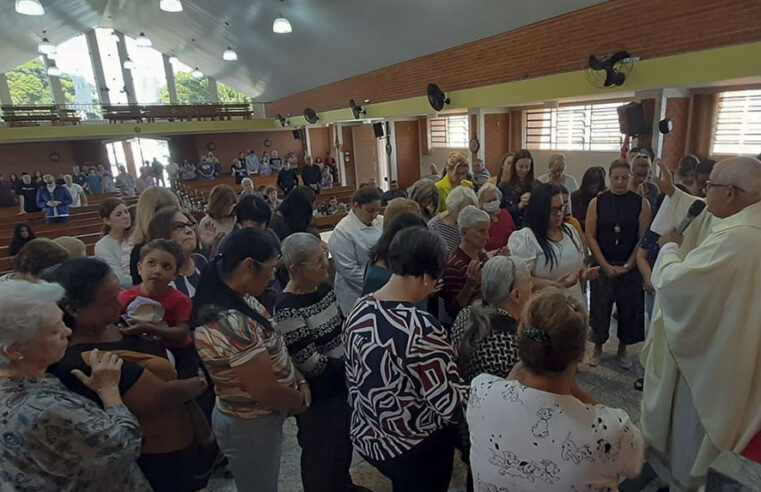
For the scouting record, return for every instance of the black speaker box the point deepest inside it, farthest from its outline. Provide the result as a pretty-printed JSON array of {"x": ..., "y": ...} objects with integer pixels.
[
  {"x": 297, "y": 134},
  {"x": 378, "y": 129},
  {"x": 631, "y": 119}
]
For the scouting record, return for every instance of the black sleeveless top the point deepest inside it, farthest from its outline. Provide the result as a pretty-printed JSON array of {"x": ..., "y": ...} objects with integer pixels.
[{"x": 618, "y": 225}]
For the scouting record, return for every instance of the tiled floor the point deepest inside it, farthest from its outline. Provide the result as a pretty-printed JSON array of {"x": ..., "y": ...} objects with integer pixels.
[{"x": 610, "y": 384}]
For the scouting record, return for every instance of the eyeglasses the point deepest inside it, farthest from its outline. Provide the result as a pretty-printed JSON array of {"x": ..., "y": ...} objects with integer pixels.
[
  {"x": 181, "y": 226},
  {"x": 319, "y": 260},
  {"x": 710, "y": 185},
  {"x": 558, "y": 210}
]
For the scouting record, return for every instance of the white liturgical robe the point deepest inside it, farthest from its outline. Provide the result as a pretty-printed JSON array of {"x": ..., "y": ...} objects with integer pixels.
[{"x": 705, "y": 339}]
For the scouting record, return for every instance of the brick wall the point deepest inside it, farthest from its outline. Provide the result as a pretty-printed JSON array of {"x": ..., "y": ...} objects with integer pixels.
[
  {"x": 675, "y": 143},
  {"x": 30, "y": 157},
  {"x": 229, "y": 144},
  {"x": 647, "y": 28},
  {"x": 319, "y": 139},
  {"x": 407, "y": 152}
]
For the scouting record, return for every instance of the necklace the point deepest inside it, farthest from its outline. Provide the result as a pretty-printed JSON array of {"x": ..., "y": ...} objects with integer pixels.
[{"x": 617, "y": 227}]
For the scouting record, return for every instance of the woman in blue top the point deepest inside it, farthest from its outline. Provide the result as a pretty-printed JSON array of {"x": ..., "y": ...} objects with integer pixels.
[{"x": 377, "y": 273}]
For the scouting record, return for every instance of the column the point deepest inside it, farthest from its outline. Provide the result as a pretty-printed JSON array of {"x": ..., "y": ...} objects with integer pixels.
[
  {"x": 659, "y": 112},
  {"x": 481, "y": 154},
  {"x": 55, "y": 83},
  {"x": 5, "y": 92},
  {"x": 338, "y": 154},
  {"x": 213, "y": 92},
  {"x": 307, "y": 142},
  {"x": 170, "y": 83},
  {"x": 129, "y": 84},
  {"x": 392, "y": 163},
  {"x": 97, "y": 67}
]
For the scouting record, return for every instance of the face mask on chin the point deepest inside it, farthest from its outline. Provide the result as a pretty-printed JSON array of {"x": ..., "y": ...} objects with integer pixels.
[{"x": 490, "y": 207}]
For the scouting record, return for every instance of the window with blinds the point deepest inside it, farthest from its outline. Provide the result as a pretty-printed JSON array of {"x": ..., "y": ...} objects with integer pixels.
[
  {"x": 450, "y": 131},
  {"x": 585, "y": 127},
  {"x": 737, "y": 129}
]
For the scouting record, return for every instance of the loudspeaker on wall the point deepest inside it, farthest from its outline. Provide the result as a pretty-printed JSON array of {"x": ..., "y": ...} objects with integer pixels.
[
  {"x": 378, "y": 129},
  {"x": 631, "y": 119}
]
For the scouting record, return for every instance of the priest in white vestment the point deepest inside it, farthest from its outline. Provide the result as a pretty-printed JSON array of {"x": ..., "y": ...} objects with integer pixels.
[{"x": 702, "y": 358}]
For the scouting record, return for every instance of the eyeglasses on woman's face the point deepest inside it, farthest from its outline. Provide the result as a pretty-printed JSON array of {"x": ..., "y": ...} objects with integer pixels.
[{"x": 182, "y": 226}]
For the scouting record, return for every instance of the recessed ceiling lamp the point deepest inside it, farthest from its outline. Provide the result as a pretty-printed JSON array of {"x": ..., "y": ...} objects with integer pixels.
[
  {"x": 173, "y": 59},
  {"x": 29, "y": 7},
  {"x": 170, "y": 5},
  {"x": 53, "y": 70},
  {"x": 197, "y": 73},
  {"x": 142, "y": 41},
  {"x": 230, "y": 55},
  {"x": 46, "y": 47},
  {"x": 282, "y": 25},
  {"x": 129, "y": 64}
]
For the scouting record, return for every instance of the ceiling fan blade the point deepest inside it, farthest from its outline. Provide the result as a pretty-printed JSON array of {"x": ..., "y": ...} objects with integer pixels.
[
  {"x": 621, "y": 55},
  {"x": 595, "y": 63},
  {"x": 610, "y": 77}
]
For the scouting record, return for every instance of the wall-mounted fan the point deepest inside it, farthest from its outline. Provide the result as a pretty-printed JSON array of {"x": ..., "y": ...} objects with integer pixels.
[
  {"x": 311, "y": 116},
  {"x": 611, "y": 71},
  {"x": 283, "y": 121},
  {"x": 356, "y": 109},
  {"x": 436, "y": 97}
]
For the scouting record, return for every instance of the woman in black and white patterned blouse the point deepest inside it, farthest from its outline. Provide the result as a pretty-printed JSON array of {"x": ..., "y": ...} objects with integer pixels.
[{"x": 404, "y": 388}]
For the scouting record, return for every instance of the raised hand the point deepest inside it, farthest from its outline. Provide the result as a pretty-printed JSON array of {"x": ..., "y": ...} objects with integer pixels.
[{"x": 666, "y": 180}]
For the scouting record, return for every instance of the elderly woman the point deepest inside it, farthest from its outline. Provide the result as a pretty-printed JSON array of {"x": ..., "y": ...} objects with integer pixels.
[
  {"x": 247, "y": 187},
  {"x": 502, "y": 225},
  {"x": 462, "y": 277},
  {"x": 426, "y": 195},
  {"x": 350, "y": 245},
  {"x": 256, "y": 384},
  {"x": 35, "y": 257},
  {"x": 114, "y": 247},
  {"x": 410, "y": 441},
  {"x": 516, "y": 191},
  {"x": 445, "y": 223},
  {"x": 556, "y": 174},
  {"x": 592, "y": 184},
  {"x": 551, "y": 248},
  {"x": 220, "y": 212},
  {"x": 55, "y": 439},
  {"x": 457, "y": 168},
  {"x": 307, "y": 315},
  {"x": 174, "y": 225},
  {"x": 148, "y": 385},
  {"x": 616, "y": 223},
  {"x": 377, "y": 273},
  {"x": 540, "y": 431}
]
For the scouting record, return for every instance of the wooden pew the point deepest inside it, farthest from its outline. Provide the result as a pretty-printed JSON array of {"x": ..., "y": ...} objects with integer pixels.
[{"x": 118, "y": 113}]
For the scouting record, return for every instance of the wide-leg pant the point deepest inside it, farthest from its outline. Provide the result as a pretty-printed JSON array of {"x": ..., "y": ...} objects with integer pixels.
[{"x": 625, "y": 291}]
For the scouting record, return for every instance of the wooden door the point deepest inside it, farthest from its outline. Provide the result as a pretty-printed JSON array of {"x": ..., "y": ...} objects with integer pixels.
[
  {"x": 365, "y": 154},
  {"x": 407, "y": 153}
]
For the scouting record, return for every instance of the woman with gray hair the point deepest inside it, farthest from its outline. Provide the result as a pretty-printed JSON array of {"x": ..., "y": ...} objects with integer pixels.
[
  {"x": 307, "y": 315},
  {"x": 54, "y": 439},
  {"x": 462, "y": 277},
  {"x": 445, "y": 223},
  {"x": 502, "y": 224}
]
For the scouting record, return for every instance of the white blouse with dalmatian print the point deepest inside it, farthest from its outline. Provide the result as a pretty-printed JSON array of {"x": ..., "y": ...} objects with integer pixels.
[{"x": 523, "y": 439}]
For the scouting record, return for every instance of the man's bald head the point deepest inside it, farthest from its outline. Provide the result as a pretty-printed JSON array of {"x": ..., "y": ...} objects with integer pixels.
[{"x": 735, "y": 184}]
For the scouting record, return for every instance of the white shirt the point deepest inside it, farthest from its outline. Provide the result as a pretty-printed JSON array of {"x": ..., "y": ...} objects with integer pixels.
[
  {"x": 523, "y": 244},
  {"x": 527, "y": 440},
  {"x": 112, "y": 252},
  {"x": 350, "y": 246},
  {"x": 75, "y": 191},
  {"x": 570, "y": 182}
]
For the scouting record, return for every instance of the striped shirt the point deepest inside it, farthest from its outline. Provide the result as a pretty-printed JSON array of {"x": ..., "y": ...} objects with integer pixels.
[
  {"x": 450, "y": 234},
  {"x": 454, "y": 280},
  {"x": 232, "y": 340}
]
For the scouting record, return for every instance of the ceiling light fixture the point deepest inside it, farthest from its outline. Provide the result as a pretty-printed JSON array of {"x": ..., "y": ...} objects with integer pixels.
[
  {"x": 129, "y": 64},
  {"x": 170, "y": 5},
  {"x": 143, "y": 41},
  {"x": 29, "y": 7},
  {"x": 46, "y": 47},
  {"x": 197, "y": 73},
  {"x": 281, "y": 25},
  {"x": 173, "y": 59},
  {"x": 53, "y": 70},
  {"x": 230, "y": 55}
]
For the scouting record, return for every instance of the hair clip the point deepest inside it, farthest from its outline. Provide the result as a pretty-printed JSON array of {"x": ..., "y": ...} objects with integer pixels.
[{"x": 537, "y": 335}]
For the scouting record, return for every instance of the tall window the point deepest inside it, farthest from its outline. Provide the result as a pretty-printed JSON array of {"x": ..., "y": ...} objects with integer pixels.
[
  {"x": 28, "y": 84},
  {"x": 77, "y": 79},
  {"x": 112, "y": 69},
  {"x": 450, "y": 131},
  {"x": 585, "y": 127},
  {"x": 228, "y": 94},
  {"x": 148, "y": 74},
  {"x": 738, "y": 123},
  {"x": 190, "y": 90}
]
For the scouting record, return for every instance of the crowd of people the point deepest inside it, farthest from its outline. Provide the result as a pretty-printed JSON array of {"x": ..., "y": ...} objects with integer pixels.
[{"x": 456, "y": 319}]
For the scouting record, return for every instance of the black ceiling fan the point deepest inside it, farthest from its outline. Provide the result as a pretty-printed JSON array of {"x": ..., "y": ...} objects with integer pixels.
[
  {"x": 436, "y": 97},
  {"x": 356, "y": 109},
  {"x": 283, "y": 121},
  {"x": 614, "y": 76},
  {"x": 311, "y": 116}
]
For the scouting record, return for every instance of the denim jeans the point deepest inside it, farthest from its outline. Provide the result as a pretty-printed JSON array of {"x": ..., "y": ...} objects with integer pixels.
[{"x": 252, "y": 447}]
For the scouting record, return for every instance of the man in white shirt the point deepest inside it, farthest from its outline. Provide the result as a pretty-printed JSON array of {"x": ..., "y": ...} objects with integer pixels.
[
  {"x": 702, "y": 386},
  {"x": 78, "y": 196}
]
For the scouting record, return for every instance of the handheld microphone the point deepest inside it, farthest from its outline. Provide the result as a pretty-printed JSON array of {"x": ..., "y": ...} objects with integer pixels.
[{"x": 695, "y": 209}]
